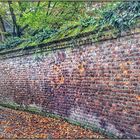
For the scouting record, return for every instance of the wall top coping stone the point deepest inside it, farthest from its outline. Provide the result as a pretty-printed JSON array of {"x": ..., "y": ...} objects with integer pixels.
[{"x": 70, "y": 42}]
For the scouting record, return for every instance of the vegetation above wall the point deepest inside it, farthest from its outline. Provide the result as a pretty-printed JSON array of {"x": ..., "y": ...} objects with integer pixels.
[{"x": 117, "y": 17}]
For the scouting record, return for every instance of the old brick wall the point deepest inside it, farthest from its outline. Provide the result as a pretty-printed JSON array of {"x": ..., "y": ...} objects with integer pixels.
[{"x": 96, "y": 84}]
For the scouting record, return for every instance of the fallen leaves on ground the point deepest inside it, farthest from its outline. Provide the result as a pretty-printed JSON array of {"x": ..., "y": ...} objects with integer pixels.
[{"x": 18, "y": 124}]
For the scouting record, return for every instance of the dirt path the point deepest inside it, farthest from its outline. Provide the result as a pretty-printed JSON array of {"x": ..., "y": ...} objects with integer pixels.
[{"x": 18, "y": 124}]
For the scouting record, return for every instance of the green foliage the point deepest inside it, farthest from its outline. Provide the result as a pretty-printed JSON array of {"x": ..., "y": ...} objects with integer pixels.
[
  {"x": 51, "y": 14},
  {"x": 118, "y": 17},
  {"x": 11, "y": 42},
  {"x": 45, "y": 34},
  {"x": 38, "y": 38},
  {"x": 123, "y": 16},
  {"x": 87, "y": 22},
  {"x": 58, "y": 22}
]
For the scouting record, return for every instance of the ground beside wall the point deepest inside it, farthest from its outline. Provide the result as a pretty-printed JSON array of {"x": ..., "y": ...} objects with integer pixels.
[
  {"x": 96, "y": 84},
  {"x": 23, "y": 125}
]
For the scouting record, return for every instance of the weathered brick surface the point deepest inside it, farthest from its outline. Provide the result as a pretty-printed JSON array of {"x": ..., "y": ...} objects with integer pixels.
[{"x": 97, "y": 84}]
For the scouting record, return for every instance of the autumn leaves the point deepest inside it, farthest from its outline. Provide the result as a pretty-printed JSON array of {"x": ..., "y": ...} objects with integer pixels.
[{"x": 17, "y": 124}]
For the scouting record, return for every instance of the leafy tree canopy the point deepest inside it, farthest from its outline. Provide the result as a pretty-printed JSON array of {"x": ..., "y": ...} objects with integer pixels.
[{"x": 31, "y": 23}]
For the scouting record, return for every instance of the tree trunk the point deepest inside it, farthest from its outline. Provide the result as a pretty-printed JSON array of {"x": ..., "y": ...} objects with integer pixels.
[
  {"x": 2, "y": 29},
  {"x": 16, "y": 28}
]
